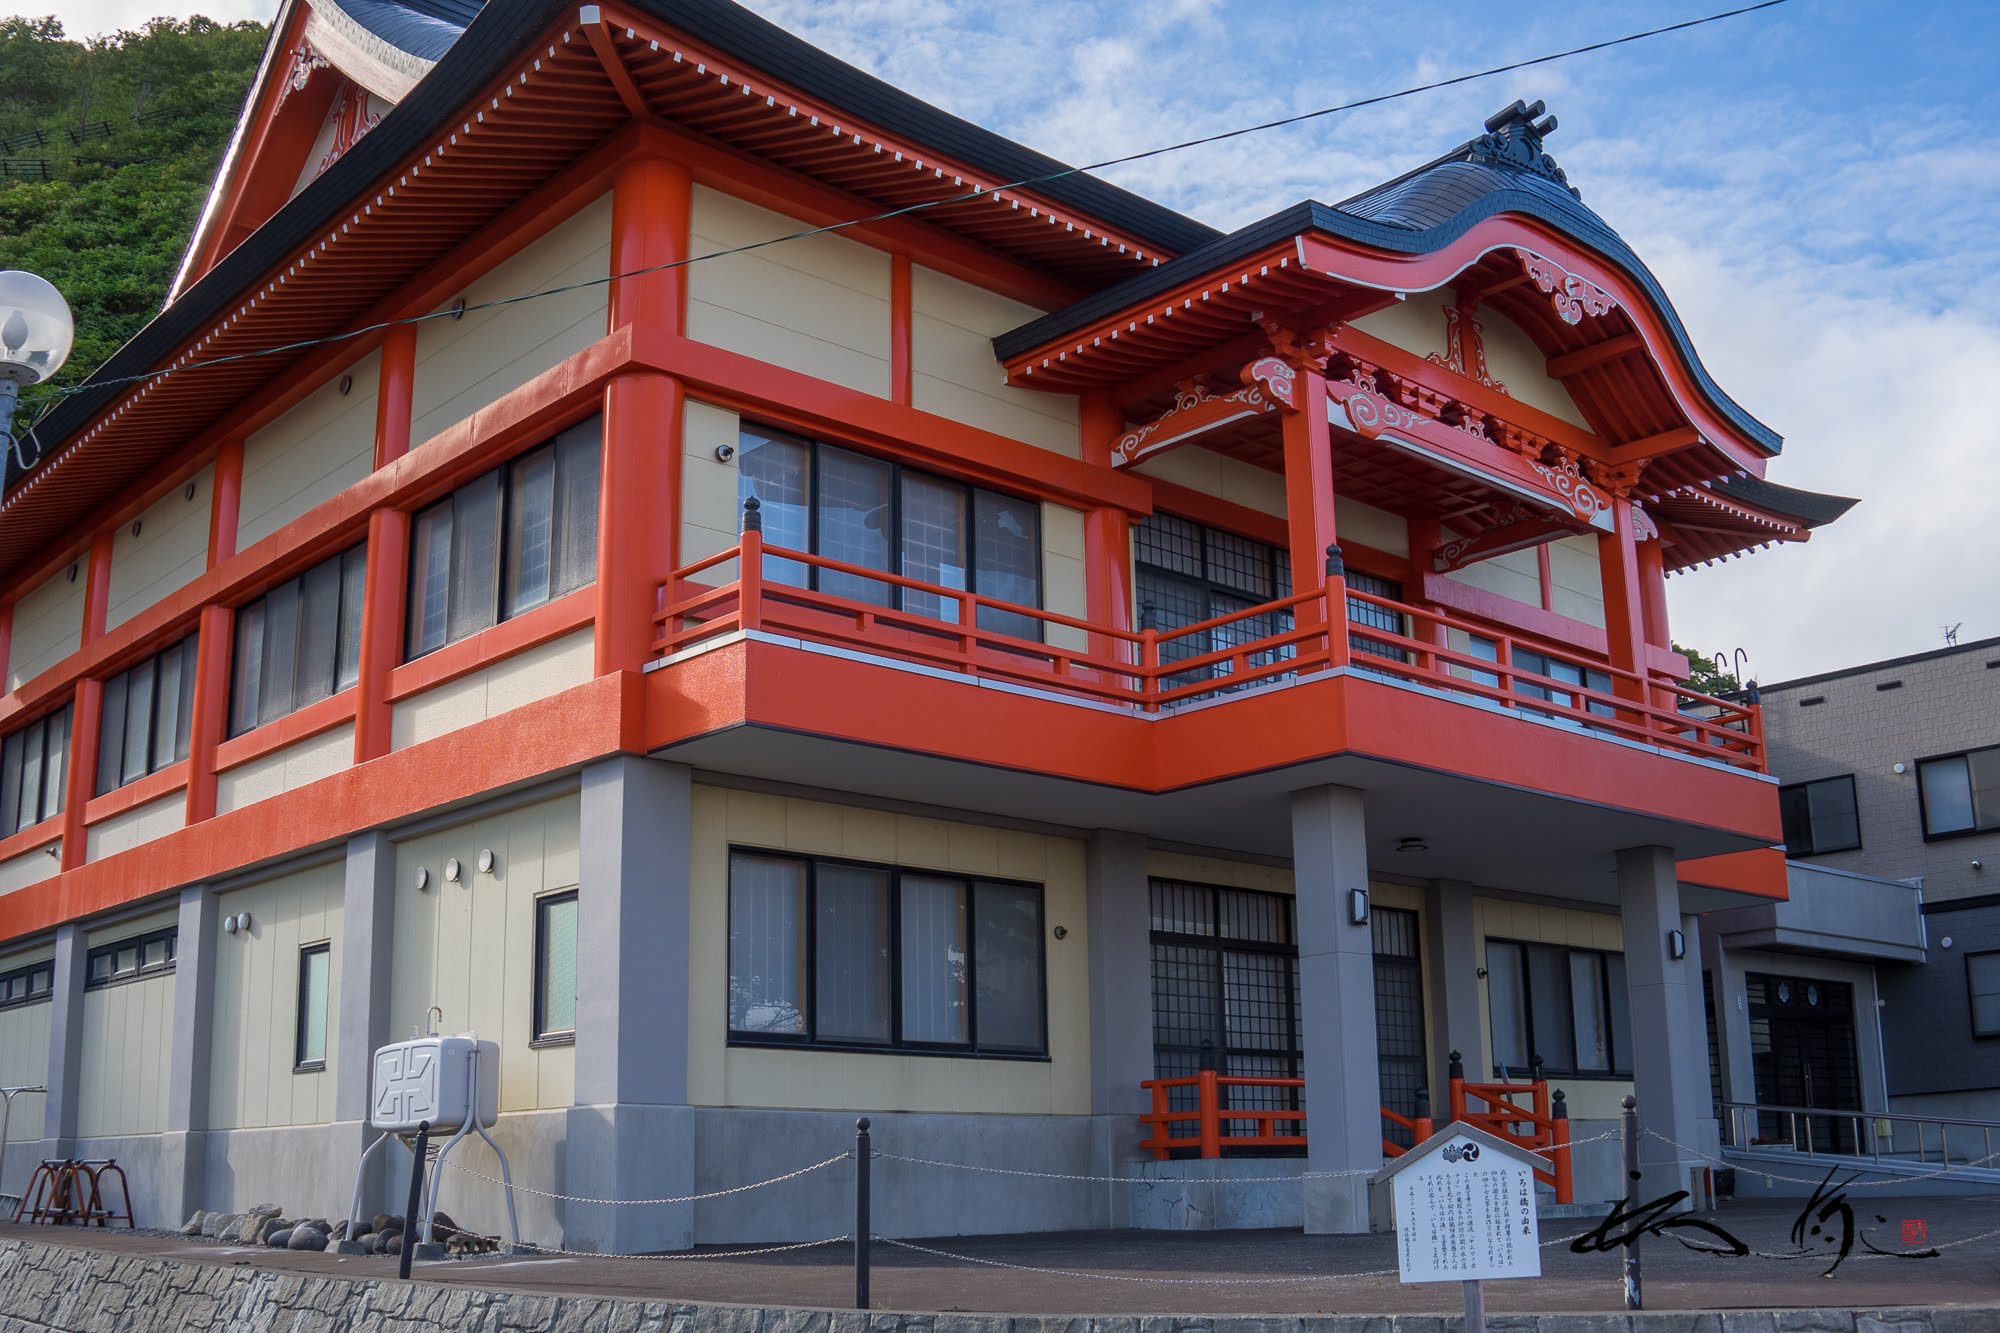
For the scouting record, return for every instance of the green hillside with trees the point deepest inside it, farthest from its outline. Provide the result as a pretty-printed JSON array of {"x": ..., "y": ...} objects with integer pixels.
[{"x": 107, "y": 149}]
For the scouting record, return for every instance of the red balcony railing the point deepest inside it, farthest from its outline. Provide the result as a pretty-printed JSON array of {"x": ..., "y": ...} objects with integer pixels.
[
  {"x": 1521, "y": 1113},
  {"x": 1217, "y": 1126},
  {"x": 1152, "y": 670}
]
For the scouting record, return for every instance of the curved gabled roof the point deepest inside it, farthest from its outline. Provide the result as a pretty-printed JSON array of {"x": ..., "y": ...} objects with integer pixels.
[
  {"x": 423, "y": 28},
  {"x": 1424, "y": 211}
]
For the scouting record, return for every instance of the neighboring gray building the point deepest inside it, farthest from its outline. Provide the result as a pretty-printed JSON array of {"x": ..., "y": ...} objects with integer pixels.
[{"x": 1892, "y": 770}]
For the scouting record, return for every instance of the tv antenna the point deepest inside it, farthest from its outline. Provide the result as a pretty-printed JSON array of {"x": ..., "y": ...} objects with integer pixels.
[{"x": 1951, "y": 634}]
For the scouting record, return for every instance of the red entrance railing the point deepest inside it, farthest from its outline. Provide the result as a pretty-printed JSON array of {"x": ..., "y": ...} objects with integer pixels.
[
  {"x": 1153, "y": 670},
  {"x": 1215, "y": 1124},
  {"x": 1539, "y": 1123}
]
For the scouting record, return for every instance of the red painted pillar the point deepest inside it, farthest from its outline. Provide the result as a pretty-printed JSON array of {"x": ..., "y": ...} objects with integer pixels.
[
  {"x": 210, "y": 720},
  {"x": 1107, "y": 537},
  {"x": 87, "y": 713},
  {"x": 1426, "y": 535},
  {"x": 1309, "y": 485},
  {"x": 6, "y": 644},
  {"x": 638, "y": 515},
  {"x": 385, "y": 580},
  {"x": 1653, "y": 592},
  {"x": 651, "y": 202},
  {"x": 1624, "y": 608},
  {"x": 900, "y": 324}
]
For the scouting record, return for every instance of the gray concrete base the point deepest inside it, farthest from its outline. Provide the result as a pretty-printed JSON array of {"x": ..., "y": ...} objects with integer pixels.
[
  {"x": 630, "y": 1152},
  {"x": 1336, "y": 1205},
  {"x": 155, "y": 1167},
  {"x": 1247, "y": 1193}
]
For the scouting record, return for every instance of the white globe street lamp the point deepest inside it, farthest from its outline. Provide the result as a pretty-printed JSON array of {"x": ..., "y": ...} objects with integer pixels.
[{"x": 36, "y": 333}]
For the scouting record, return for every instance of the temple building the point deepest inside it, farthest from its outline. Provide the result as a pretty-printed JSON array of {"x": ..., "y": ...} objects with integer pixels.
[{"x": 772, "y": 603}]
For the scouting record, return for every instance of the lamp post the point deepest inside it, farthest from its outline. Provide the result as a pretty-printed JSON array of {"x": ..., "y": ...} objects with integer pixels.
[{"x": 36, "y": 332}]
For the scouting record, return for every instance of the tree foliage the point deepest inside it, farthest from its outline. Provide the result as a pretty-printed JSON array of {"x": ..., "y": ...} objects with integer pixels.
[
  {"x": 109, "y": 146},
  {"x": 1710, "y": 675}
]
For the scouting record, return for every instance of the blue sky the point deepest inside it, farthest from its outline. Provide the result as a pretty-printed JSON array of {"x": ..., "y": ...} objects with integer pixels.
[{"x": 1817, "y": 186}]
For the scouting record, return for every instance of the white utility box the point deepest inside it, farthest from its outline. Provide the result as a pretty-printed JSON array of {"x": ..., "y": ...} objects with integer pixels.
[{"x": 430, "y": 1078}]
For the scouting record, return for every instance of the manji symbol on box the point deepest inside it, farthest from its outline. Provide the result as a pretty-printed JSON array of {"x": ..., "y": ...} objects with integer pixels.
[
  {"x": 430, "y": 1079},
  {"x": 1465, "y": 1209}
]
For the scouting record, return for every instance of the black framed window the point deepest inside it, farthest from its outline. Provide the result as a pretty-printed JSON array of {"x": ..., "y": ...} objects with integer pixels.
[
  {"x": 27, "y": 985},
  {"x": 1225, "y": 990},
  {"x": 1567, "y": 1007},
  {"x": 506, "y": 542},
  {"x": 131, "y": 959},
  {"x": 298, "y": 643},
  {"x": 555, "y": 966},
  {"x": 880, "y": 515},
  {"x": 1186, "y": 572},
  {"x": 315, "y": 982},
  {"x": 1820, "y": 816},
  {"x": 1960, "y": 793},
  {"x": 33, "y": 769},
  {"x": 870, "y": 957},
  {"x": 148, "y": 717},
  {"x": 1982, "y": 984}
]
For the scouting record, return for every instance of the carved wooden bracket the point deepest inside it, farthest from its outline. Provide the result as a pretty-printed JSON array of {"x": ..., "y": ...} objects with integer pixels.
[
  {"x": 1574, "y": 297},
  {"x": 1196, "y": 411},
  {"x": 1464, "y": 347},
  {"x": 1618, "y": 478}
]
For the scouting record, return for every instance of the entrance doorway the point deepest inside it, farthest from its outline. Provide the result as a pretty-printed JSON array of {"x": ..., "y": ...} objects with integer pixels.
[{"x": 1803, "y": 1055}]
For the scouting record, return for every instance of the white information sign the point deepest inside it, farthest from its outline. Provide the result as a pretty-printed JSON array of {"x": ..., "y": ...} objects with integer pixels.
[{"x": 1465, "y": 1210}]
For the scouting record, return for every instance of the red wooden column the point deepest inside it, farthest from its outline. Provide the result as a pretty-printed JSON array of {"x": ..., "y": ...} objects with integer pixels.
[
  {"x": 638, "y": 512},
  {"x": 1107, "y": 534},
  {"x": 1624, "y": 606},
  {"x": 212, "y": 649},
  {"x": 87, "y": 713},
  {"x": 1309, "y": 483},
  {"x": 385, "y": 579},
  {"x": 6, "y": 642},
  {"x": 1426, "y": 535},
  {"x": 1653, "y": 592},
  {"x": 901, "y": 322}
]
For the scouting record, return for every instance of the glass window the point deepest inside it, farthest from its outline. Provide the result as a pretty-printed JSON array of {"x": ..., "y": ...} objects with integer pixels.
[
  {"x": 1566, "y": 1007},
  {"x": 131, "y": 959},
  {"x": 298, "y": 643},
  {"x": 555, "y": 966},
  {"x": 505, "y": 542},
  {"x": 315, "y": 974},
  {"x": 874, "y": 514},
  {"x": 1186, "y": 572},
  {"x": 148, "y": 717},
  {"x": 1820, "y": 816},
  {"x": 1960, "y": 793},
  {"x": 864, "y": 956},
  {"x": 32, "y": 772},
  {"x": 1982, "y": 977},
  {"x": 27, "y": 985}
]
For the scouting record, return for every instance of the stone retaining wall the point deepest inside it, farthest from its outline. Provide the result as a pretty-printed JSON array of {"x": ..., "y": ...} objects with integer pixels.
[{"x": 74, "y": 1288}]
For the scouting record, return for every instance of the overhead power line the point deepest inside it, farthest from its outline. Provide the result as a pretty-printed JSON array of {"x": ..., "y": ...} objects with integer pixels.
[{"x": 976, "y": 193}]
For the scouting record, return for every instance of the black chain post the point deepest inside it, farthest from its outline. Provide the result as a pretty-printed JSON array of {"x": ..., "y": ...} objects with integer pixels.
[
  {"x": 1633, "y": 1300},
  {"x": 864, "y": 1154},
  {"x": 416, "y": 1194},
  {"x": 753, "y": 519}
]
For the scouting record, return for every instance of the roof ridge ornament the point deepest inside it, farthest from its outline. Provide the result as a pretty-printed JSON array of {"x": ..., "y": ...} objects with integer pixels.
[{"x": 1514, "y": 137}]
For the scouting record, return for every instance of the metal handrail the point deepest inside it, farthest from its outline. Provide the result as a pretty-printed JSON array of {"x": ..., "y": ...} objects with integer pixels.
[{"x": 1867, "y": 1129}]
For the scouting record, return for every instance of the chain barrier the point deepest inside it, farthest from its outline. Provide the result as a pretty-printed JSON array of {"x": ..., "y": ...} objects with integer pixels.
[
  {"x": 667, "y": 1258},
  {"x": 1852, "y": 1165},
  {"x": 641, "y": 1203},
  {"x": 1173, "y": 1180}
]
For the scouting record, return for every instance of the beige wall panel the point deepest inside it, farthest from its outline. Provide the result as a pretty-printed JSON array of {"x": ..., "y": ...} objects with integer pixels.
[
  {"x": 1514, "y": 360},
  {"x": 1370, "y": 526},
  {"x": 122, "y": 1077},
  {"x": 1229, "y": 479},
  {"x": 322, "y": 155},
  {"x": 1577, "y": 579},
  {"x": 48, "y": 625},
  {"x": 112, "y": 932},
  {"x": 18, "y": 872},
  {"x": 1063, "y": 588},
  {"x": 469, "y": 948},
  {"x": 254, "y": 1045},
  {"x": 721, "y": 1076},
  {"x": 24, "y": 1063},
  {"x": 170, "y": 550},
  {"x": 546, "y": 669},
  {"x": 1516, "y": 575},
  {"x": 310, "y": 454},
  {"x": 954, "y": 374},
  {"x": 710, "y": 514},
  {"x": 141, "y": 824},
  {"x": 818, "y": 305},
  {"x": 1218, "y": 870},
  {"x": 285, "y": 770},
  {"x": 464, "y": 364},
  {"x": 1415, "y": 323}
]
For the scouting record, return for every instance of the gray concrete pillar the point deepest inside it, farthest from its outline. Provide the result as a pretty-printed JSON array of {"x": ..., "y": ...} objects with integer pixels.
[
  {"x": 65, "y": 1042},
  {"x": 362, "y": 1021},
  {"x": 1453, "y": 945},
  {"x": 631, "y": 1132},
  {"x": 1707, "y": 1133},
  {"x": 1337, "y": 1002},
  {"x": 1119, "y": 923},
  {"x": 1669, "y": 1063},
  {"x": 188, "y": 1060}
]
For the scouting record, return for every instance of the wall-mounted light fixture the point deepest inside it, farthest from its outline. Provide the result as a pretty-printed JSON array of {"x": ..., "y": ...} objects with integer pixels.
[
  {"x": 346, "y": 385},
  {"x": 1412, "y": 844},
  {"x": 1061, "y": 932},
  {"x": 229, "y": 925},
  {"x": 458, "y": 308},
  {"x": 1945, "y": 943},
  {"x": 451, "y": 870},
  {"x": 1677, "y": 945},
  {"x": 423, "y": 879},
  {"x": 1901, "y": 767},
  {"x": 1357, "y": 906},
  {"x": 485, "y": 862},
  {"x": 724, "y": 452}
]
